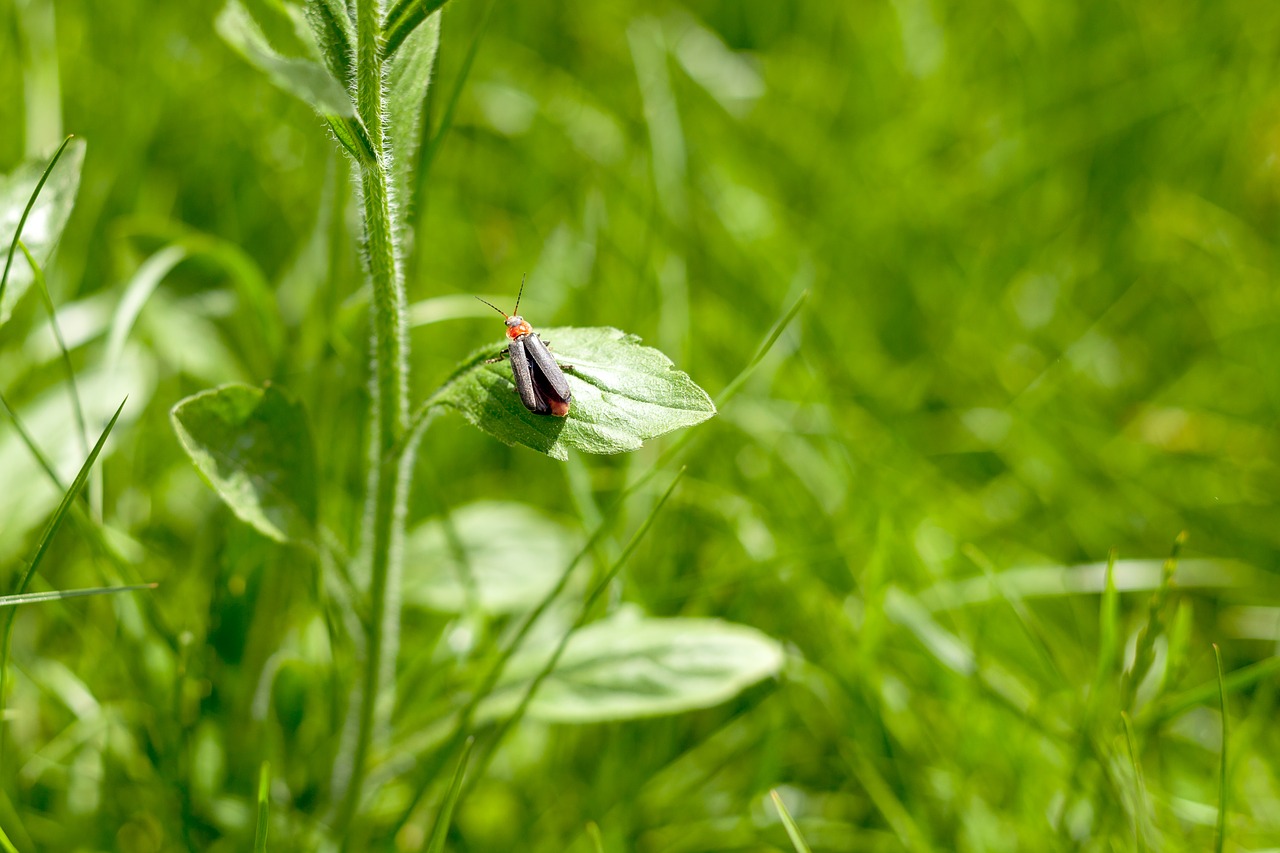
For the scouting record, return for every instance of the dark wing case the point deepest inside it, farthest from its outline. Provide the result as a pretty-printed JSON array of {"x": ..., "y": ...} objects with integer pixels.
[
  {"x": 530, "y": 395},
  {"x": 545, "y": 363}
]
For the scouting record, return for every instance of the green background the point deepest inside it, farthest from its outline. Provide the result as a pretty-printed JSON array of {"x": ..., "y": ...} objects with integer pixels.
[{"x": 1038, "y": 241}]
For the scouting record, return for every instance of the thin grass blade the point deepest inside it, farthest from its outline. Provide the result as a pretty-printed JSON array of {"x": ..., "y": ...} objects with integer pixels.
[
  {"x": 76, "y": 407},
  {"x": 439, "y": 832},
  {"x": 58, "y": 594},
  {"x": 43, "y": 548},
  {"x": 793, "y": 831},
  {"x": 264, "y": 808},
  {"x": 1220, "y": 837},
  {"x": 22, "y": 221}
]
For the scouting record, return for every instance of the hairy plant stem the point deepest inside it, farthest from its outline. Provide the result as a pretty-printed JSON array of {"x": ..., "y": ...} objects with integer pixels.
[{"x": 388, "y": 475}]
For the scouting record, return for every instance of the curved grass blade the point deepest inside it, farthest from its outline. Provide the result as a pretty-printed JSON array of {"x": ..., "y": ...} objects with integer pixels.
[
  {"x": 264, "y": 808},
  {"x": 58, "y": 594},
  {"x": 441, "y": 829},
  {"x": 22, "y": 221},
  {"x": 597, "y": 840},
  {"x": 1168, "y": 707},
  {"x": 77, "y": 409},
  {"x": 428, "y": 152},
  {"x": 54, "y": 213},
  {"x": 1139, "y": 793},
  {"x": 43, "y": 547},
  {"x": 1220, "y": 837},
  {"x": 793, "y": 831},
  {"x": 87, "y": 524},
  {"x": 494, "y": 674},
  {"x": 584, "y": 613}
]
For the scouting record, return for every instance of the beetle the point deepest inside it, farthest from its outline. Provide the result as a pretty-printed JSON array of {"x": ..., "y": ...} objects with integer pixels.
[{"x": 540, "y": 381}]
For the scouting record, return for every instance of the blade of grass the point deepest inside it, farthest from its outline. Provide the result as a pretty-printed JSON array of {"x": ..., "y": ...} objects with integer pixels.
[
  {"x": 770, "y": 339},
  {"x": 1108, "y": 629},
  {"x": 584, "y": 614},
  {"x": 58, "y": 594},
  {"x": 1220, "y": 836},
  {"x": 1171, "y": 706},
  {"x": 427, "y": 153},
  {"x": 22, "y": 221},
  {"x": 597, "y": 840},
  {"x": 1144, "y": 655},
  {"x": 77, "y": 408},
  {"x": 264, "y": 808},
  {"x": 1039, "y": 641},
  {"x": 43, "y": 548},
  {"x": 5, "y": 844},
  {"x": 438, "y": 833},
  {"x": 738, "y": 381},
  {"x": 492, "y": 676},
  {"x": 84, "y": 522},
  {"x": 793, "y": 831},
  {"x": 1140, "y": 787}
]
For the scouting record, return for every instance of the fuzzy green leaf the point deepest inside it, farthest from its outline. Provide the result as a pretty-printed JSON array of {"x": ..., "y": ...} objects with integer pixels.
[
  {"x": 466, "y": 559},
  {"x": 623, "y": 394},
  {"x": 628, "y": 667},
  {"x": 301, "y": 77},
  {"x": 45, "y": 221},
  {"x": 253, "y": 447},
  {"x": 408, "y": 78},
  {"x": 335, "y": 36},
  {"x": 404, "y": 19}
]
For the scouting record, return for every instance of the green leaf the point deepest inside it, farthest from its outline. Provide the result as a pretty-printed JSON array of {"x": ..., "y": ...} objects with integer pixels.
[
  {"x": 264, "y": 808},
  {"x": 253, "y": 447},
  {"x": 501, "y": 557},
  {"x": 441, "y": 829},
  {"x": 408, "y": 79},
  {"x": 404, "y": 19},
  {"x": 61, "y": 594},
  {"x": 300, "y": 76},
  {"x": 627, "y": 667},
  {"x": 623, "y": 395},
  {"x": 793, "y": 831},
  {"x": 335, "y": 36},
  {"x": 37, "y": 198}
]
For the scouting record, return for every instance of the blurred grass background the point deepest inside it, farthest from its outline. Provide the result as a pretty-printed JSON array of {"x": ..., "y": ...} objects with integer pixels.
[{"x": 1038, "y": 240}]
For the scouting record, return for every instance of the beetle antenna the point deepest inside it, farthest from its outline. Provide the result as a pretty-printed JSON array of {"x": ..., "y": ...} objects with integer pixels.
[
  {"x": 494, "y": 307},
  {"x": 521, "y": 293}
]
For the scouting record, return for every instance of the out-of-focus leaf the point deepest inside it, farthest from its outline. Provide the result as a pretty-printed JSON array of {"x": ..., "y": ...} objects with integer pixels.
[
  {"x": 623, "y": 394},
  {"x": 44, "y": 223},
  {"x": 408, "y": 78},
  {"x": 628, "y": 667},
  {"x": 504, "y": 555},
  {"x": 304, "y": 78},
  {"x": 296, "y": 75},
  {"x": 253, "y": 447}
]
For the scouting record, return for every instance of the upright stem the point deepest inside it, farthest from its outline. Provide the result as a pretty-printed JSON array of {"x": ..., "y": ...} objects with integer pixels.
[{"x": 383, "y": 531}]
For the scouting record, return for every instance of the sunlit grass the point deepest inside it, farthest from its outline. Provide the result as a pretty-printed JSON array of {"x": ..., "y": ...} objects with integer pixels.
[{"x": 982, "y": 293}]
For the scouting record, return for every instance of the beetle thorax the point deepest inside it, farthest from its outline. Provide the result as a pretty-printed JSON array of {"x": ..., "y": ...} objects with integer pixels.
[{"x": 517, "y": 327}]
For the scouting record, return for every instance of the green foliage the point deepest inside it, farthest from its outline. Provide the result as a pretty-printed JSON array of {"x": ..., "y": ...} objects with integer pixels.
[
  {"x": 1038, "y": 343},
  {"x": 35, "y": 202},
  {"x": 499, "y": 556},
  {"x": 623, "y": 395},
  {"x": 253, "y": 447},
  {"x": 627, "y": 667}
]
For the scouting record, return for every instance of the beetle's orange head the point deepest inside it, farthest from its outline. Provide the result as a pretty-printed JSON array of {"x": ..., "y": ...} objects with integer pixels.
[{"x": 517, "y": 327}]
